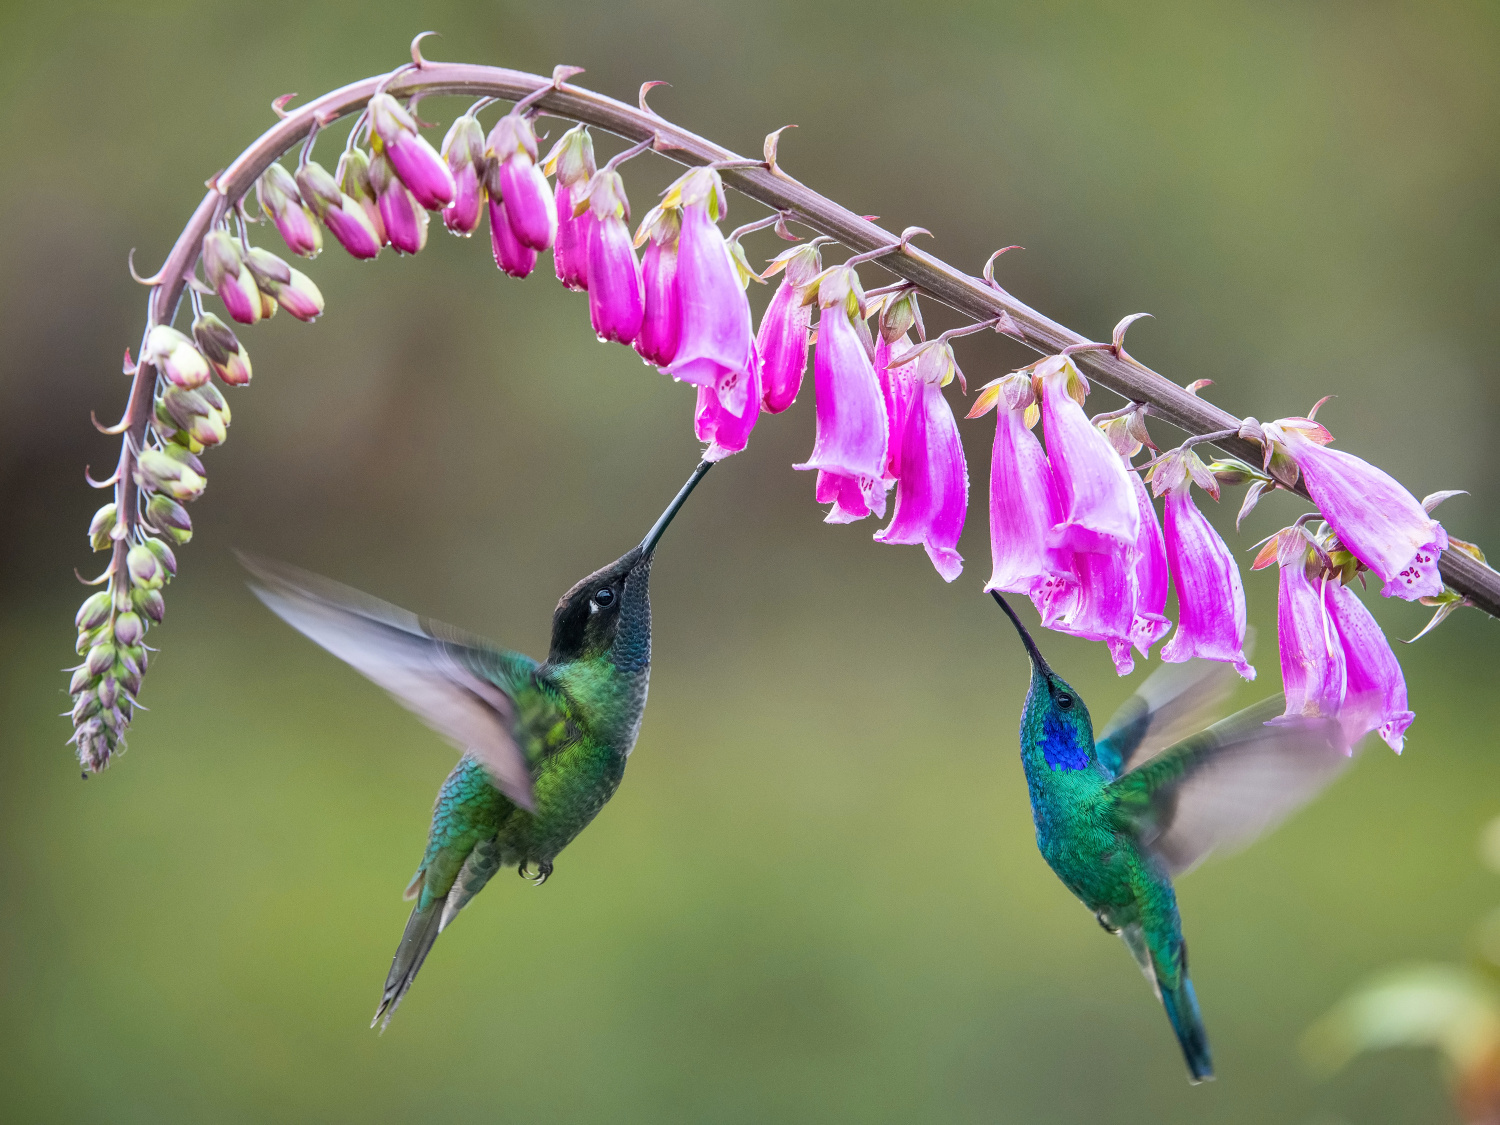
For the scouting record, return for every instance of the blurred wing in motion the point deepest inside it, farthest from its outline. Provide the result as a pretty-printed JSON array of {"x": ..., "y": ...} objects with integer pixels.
[
  {"x": 1175, "y": 699},
  {"x": 460, "y": 686},
  {"x": 1225, "y": 786}
]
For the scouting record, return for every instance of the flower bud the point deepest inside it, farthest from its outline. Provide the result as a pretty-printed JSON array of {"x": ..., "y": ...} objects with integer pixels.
[
  {"x": 149, "y": 602},
  {"x": 130, "y": 681},
  {"x": 279, "y": 198},
  {"x": 393, "y": 133},
  {"x": 510, "y": 255},
  {"x": 114, "y": 719},
  {"x": 463, "y": 150},
  {"x": 661, "y": 321},
  {"x": 572, "y": 158},
  {"x": 109, "y": 691},
  {"x": 129, "y": 629},
  {"x": 131, "y": 659},
  {"x": 616, "y": 298},
  {"x": 354, "y": 179},
  {"x": 100, "y": 657},
  {"x": 165, "y": 515},
  {"x": 81, "y": 678},
  {"x": 223, "y": 350},
  {"x": 345, "y": 219},
  {"x": 164, "y": 556},
  {"x": 293, "y": 289},
  {"x": 94, "y": 611},
  {"x": 86, "y": 707},
  {"x": 175, "y": 357},
  {"x": 183, "y": 406},
  {"x": 145, "y": 570},
  {"x": 229, "y": 277},
  {"x": 101, "y": 528},
  {"x": 404, "y": 218},
  {"x": 513, "y": 176}
]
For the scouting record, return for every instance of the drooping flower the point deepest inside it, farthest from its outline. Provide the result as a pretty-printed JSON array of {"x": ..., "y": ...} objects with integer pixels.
[
  {"x": 463, "y": 150},
  {"x": 1314, "y": 675},
  {"x": 784, "y": 328},
  {"x": 932, "y": 487},
  {"x": 726, "y": 433},
  {"x": 1210, "y": 594},
  {"x": 277, "y": 194},
  {"x": 511, "y": 255},
  {"x": 1375, "y": 698},
  {"x": 404, "y": 217},
  {"x": 292, "y": 289},
  {"x": 345, "y": 219},
  {"x": 572, "y": 158},
  {"x": 715, "y": 334},
  {"x": 515, "y": 178},
  {"x": 898, "y": 386},
  {"x": 1025, "y": 501},
  {"x": 230, "y": 277},
  {"x": 1099, "y": 505},
  {"x": 1101, "y": 607},
  {"x": 616, "y": 298},
  {"x": 1151, "y": 573},
  {"x": 1378, "y": 522},
  {"x": 661, "y": 323},
  {"x": 393, "y": 134},
  {"x": 852, "y": 429},
  {"x": 354, "y": 181}
]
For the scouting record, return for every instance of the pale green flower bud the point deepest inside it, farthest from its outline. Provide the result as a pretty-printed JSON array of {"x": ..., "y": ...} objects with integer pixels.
[
  {"x": 145, "y": 570},
  {"x": 167, "y": 516},
  {"x": 101, "y": 527},
  {"x": 150, "y": 603},
  {"x": 94, "y": 611},
  {"x": 129, "y": 629},
  {"x": 100, "y": 657}
]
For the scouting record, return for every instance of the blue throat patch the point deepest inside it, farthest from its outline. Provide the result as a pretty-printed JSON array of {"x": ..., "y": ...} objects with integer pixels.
[{"x": 1060, "y": 746}]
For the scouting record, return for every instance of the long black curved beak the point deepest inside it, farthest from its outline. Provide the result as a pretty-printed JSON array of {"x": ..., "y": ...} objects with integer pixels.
[
  {"x": 648, "y": 544},
  {"x": 1031, "y": 649}
]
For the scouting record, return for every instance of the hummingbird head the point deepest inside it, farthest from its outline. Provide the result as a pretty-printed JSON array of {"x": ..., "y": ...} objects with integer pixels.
[
  {"x": 608, "y": 614},
  {"x": 1056, "y": 723}
]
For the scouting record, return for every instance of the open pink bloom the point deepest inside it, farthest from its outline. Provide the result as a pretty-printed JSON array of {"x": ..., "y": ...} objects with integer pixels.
[
  {"x": 1376, "y": 695},
  {"x": 393, "y": 132},
  {"x": 1313, "y": 673},
  {"x": 850, "y": 447},
  {"x": 726, "y": 433},
  {"x": 616, "y": 301},
  {"x": 715, "y": 313},
  {"x": 513, "y": 176},
  {"x": 661, "y": 324},
  {"x": 1099, "y": 506},
  {"x": 572, "y": 158},
  {"x": 1102, "y": 608},
  {"x": 512, "y": 257},
  {"x": 1210, "y": 595},
  {"x": 785, "y": 327},
  {"x": 341, "y": 213},
  {"x": 1151, "y": 573},
  {"x": 405, "y": 219},
  {"x": 898, "y": 386},
  {"x": 1378, "y": 522},
  {"x": 463, "y": 149},
  {"x": 279, "y": 198},
  {"x": 932, "y": 490}
]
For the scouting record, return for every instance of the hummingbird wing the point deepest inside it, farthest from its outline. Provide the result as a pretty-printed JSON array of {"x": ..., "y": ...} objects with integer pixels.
[
  {"x": 462, "y": 687},
  {"x": 1174, "y": 700},
  {"x": 1225, "y": 786}
]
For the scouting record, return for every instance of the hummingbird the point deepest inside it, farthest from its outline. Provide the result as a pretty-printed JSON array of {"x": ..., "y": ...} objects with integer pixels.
[
  {"x": 1119, "y": 817},
  {"x": 544, "y": 745}
]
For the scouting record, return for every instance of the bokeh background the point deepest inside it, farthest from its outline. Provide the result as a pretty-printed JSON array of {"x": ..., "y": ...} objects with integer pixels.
[{"x": 816, "y": 897}]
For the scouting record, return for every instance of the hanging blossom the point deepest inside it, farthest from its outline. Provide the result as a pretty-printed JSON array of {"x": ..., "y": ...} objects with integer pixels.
[
  {"x": 393, "y": 134},
  {"x": 514, "y": 178},
  {"x": 1378, "y": 521},
  {"x": 344, "y": 215},
  {"x": 404, "y": 216},
  {"x": 353, "y": 172},
  {"x": 1099, "y": 506},
  {"x": 849, "y": 452},
  {"x": 1126, "y": 432},
  {"x": 616, "y": 300},
  {"x": 1335, "y": 661},
  {"x": 463, "y": 151},
  {"x": 279, "y": 198},
  {"x": 572, "y": 159},
  {"x": 786, "y": 325},
  {"x": 661, "y": 321},
  {"x": 1210, "y": 594}
]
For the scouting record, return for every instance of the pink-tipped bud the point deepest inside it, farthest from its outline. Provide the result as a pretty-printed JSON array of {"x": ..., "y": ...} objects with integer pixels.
[
  {"x": 229, "y": 277},
  {"x": 222, "y": 348},
  {"x": 514, "y": 177},
  {"x": 616, "y": 301},
  {"x": 102, "y": 527},
  {"x": 572, "y": 159},
  {"x": 463, "y": 149},
  {"x": 292, "y": 289},
  {"x": 781, "y": 342},
  {"x": 345, "y": 218},
  {"x": 661, "y": 322},
  {"x": 277, "y": 193},
  {"x": 393, "y": 133},
  {"x": 159, "y": 471},
  {"x": 175, "y": 357},
  {"x": 510, "y": 255},
  {"x": 165, "y": 515},
  {"x": 404, "y": 218}
]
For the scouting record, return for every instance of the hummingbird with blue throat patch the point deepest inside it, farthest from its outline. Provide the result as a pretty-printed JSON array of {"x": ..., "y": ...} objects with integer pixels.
[
  {"x": 544, "y": 745},
  {"x": 1119, "y": 817}
]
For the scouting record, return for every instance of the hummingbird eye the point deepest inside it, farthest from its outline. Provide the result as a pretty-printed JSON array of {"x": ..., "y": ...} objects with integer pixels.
[
  {"x": 1065, "y": 701},
  {"x": 604, "y": 596}
]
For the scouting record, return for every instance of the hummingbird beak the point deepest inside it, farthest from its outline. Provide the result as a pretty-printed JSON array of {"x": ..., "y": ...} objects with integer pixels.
[
  {"x": 648, "y": 544},
  {"x": 1031, "y": 649}
]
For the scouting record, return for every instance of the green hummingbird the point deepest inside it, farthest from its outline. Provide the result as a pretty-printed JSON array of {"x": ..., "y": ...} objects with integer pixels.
[
  {"x": 544, "y": 744},
  {"x": 1119, "y": 817}
]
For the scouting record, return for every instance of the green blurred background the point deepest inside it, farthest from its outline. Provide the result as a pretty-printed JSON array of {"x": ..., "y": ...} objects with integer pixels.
[{"x": 816, "y": 898}]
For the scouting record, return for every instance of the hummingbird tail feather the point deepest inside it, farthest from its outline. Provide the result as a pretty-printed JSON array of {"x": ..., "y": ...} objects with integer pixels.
[
  {"x": 1182, "y": 1009},
  {"x": 422, "y": 929}
]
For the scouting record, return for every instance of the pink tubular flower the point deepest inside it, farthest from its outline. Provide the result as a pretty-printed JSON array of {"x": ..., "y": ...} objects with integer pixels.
[
  {"x": 726, "y": 433},
  {"x": 354, "y": 181},
  {"x": 932, "y": 490},
  {"x": 393, "y": 133},
  {"x": 1210, "y": 595},
  {"x": 230, "y": 277},
  {"x": 510, "y": 255},
  {"x": 616, "y": 300},
  {"x": 786, "y": 325},
  {"x": 1378, "y": 522},
  {"x": 277, "y": 194},
  {"x": 345, "y": 219},
  {"x": 292, "y": 289},
  {"x": 515, "y": 178},
  {"x": 714, "y": 344},
  {"x": 572, "y": 158},
  {"x": 661, "y": 325},
  {"x": 852, "y": 429},
  {"x": 404, "y": 217},
  {"x": 1376, "y": 695},
  {"x": 1151, "y": 573},
  {"x": 898, "y": 387},
  {"x": 463, "y": 149},
  {"x": 1099, "y": 506},
  {"x": 1102, "y": 608},
  {"x": 1313, "y": 672}
]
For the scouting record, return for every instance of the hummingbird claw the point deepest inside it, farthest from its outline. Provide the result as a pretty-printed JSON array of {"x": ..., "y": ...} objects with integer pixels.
[
  {"x": 542, "y": 872},
  {"x": 523, "y": 871},
  {"x": 1105, "y": 925}
]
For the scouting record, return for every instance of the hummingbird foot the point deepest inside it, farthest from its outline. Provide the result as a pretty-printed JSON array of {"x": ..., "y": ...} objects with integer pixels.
[
  {"x": 523, "y": 871},
  {"x": 543, "y": 870},
  {"x": 1105, "y": 924}
]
